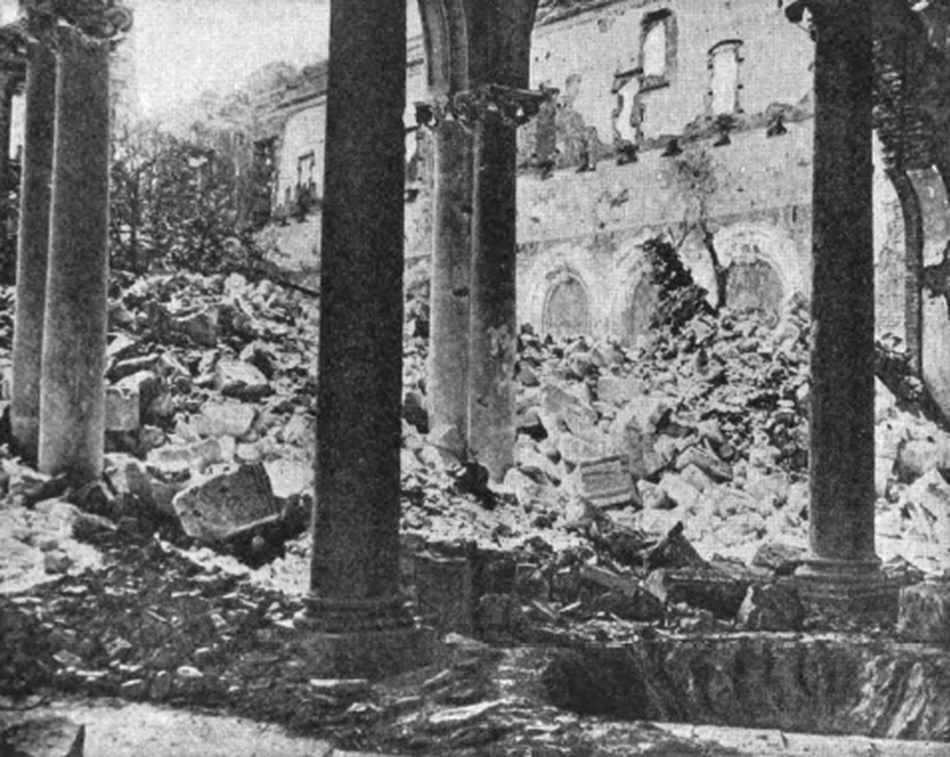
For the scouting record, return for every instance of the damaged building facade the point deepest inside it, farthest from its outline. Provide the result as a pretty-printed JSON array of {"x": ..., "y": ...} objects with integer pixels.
[{"x": 678, "y": 118}]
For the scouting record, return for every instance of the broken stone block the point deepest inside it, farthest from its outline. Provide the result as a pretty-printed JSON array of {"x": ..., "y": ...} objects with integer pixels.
[
  {"x": 234, "y": 378},
  {"x": 771, "y": 607},
  {"x": 674, "y": 551},
  {"x": 227, "y": 504},
  {"x": 573, "y": 449},
  {"x": 299, "y": 431},
  {"x": 706, "y": 588},
  {"x": 197, "y": 455},
  {"x": 606, "y": 482},
  {"x": 122, "y": 409},
  {"x": 778, "y": 557},
  {"x": 201, "y": 327},
  {"x": 706, "y": 461},
  {"x": 50, "y": 736},
  {"x": 676, "y": 489},
  {"x": 617, "y": 390},
  {"x": 527, "y": 375},
  {"x": 57, "y": 562},
  {"x": 919, "y": 456},
  {"x": 697, "y": 478},
  {"x": 444, "y": 592},
  {"x": 155, "y": 402},
  {"x": 225, "y": 419},
  {"x": 924, "y": 612},
  {"x": 928, "y": 502}
]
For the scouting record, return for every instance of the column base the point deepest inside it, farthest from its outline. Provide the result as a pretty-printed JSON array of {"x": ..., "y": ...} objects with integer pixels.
[
  {"x": 363, "y": 639},
  {"x": 857, "y": 589}
]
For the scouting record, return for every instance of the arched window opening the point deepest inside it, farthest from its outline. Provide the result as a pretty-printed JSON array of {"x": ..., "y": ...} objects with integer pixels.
[
  {"x": 567, "y": 310},
  {"x": 754, "y": 285}
]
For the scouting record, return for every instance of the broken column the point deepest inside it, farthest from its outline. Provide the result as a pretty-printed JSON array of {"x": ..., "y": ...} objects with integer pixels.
[
  {"x": 72, "y": 394},
  {"x": 842, "y": 571},
  {"x": 451, "y": 264},
  {"x": 361, "y": 625},
  {"x": 32, "y": 248}
]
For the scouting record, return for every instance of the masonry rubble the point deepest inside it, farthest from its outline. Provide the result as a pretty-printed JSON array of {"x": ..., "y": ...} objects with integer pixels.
[{"x": 668, "y": 476}]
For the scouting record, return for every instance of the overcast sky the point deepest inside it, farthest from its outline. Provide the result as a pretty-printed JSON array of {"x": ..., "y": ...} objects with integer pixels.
[{"x": 183, "y": 47}]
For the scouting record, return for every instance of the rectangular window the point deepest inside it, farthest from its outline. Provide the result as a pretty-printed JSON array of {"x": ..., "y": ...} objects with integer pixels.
[
  {"x": 657, "y": 49},
  {"x": 724, "y": 86}
]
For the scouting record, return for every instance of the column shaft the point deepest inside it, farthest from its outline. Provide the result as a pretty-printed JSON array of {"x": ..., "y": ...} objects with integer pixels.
[
  {"x": 356, "y": 541},
  {"x": 33, "y": 248},
  {"x": 451, "y": 271},
  {"x": 72, "y": 395},
  {"x": 493, "y": 334}
]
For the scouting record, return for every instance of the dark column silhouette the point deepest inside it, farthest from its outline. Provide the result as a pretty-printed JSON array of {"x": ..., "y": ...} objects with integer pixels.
[
  {"x": 33, "y": 248},
  {"x": 843, "y": 570},
  {"x": 72, "y": 394},
  {"x": 362, "y": 624}
]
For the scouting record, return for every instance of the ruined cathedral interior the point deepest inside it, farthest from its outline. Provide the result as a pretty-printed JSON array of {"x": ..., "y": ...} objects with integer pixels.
[{"x": 594, "y": 398}]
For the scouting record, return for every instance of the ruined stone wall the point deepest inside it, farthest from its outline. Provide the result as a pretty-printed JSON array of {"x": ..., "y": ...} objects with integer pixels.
[{"x": 585, "y": 206}]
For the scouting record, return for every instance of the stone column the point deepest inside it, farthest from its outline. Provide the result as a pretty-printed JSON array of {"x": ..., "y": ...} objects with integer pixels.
[
  {"x": 33, "y": 245},
  {"x": 842, "y": 570},
  {"x": 493, "y": 324},
  {"x": 72, "y": 394},
  {"x": 450, "y": 286},
  {"x": 361, "y": 623}
]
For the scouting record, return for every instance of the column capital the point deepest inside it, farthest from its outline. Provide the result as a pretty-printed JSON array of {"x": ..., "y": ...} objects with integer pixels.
[
  {"x": 823, "y": 11},
  {"x": 514, "y": 105},
  {"x": 13, "y": 53},
  {"x": 97, "y": 21}
]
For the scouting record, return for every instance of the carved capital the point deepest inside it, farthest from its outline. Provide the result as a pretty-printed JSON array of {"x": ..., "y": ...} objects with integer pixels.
[
  {"x": 514, "y": 106},
  {"x": 96, "y": 21},
  {"x": 13, "y": 50}
]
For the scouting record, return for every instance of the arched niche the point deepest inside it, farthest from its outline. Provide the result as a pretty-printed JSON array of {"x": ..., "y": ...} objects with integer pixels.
[
  {"x": 763, "y": 268},
  {"x": 567, "y": 305},
  {"x": 638, "y": 309}
]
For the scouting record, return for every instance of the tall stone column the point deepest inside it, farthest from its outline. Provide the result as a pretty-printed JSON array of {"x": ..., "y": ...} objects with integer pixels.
[
  {"x": 493, "y": 325},
  {"x": 842, "y": 570},
  {"x": 33, "y": 247},
  {"x": 72, "y": 394},
  {"x": 451, "y": 272},
  {"x": 361, "y": 623}
]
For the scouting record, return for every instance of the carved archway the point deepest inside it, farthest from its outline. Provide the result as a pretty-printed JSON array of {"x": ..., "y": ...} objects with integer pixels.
[{"x": 567, "y": 305}]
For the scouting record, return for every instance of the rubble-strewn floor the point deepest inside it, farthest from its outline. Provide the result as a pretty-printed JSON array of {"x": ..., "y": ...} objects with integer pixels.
[{"x": 113, "y": 591}]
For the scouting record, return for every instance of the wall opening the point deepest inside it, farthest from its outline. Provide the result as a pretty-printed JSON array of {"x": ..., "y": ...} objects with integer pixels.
[
  {"x": 640, "y": 309},
  {"x": 566, "y": 308},
  {"x": 754, "y": 285}
]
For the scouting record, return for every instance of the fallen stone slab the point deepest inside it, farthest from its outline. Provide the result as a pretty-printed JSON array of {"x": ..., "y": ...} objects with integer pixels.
[
  {"x": 227, "y": 504},
  {"x": 705, "y": 588},
  {"x": 771, "y": 607},
  {"x": 606, "y": 482},
  {"x": 225, "y": 419},
  {"x": 235, "y": 378},
  {"x": 48, "y": 736}
]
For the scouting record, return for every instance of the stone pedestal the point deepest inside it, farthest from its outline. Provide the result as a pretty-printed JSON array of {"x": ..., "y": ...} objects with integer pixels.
[
  {"x": 842, "y": 571},
  {"x": 359, "y": 623},
  {"x": 72, "y": 394},
  {"x": 493, "y": 327},
  {"x": 451, "y": 264},
  {"x": 364, "y": 638},
  {"x": 33, "y": 249}
]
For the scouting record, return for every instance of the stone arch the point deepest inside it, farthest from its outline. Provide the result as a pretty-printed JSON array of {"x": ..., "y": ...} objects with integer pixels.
[
  {"x": 567, "y": 304},
  {"x": 763, "y": 267},
  {"x": 634, "y": 297}
]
